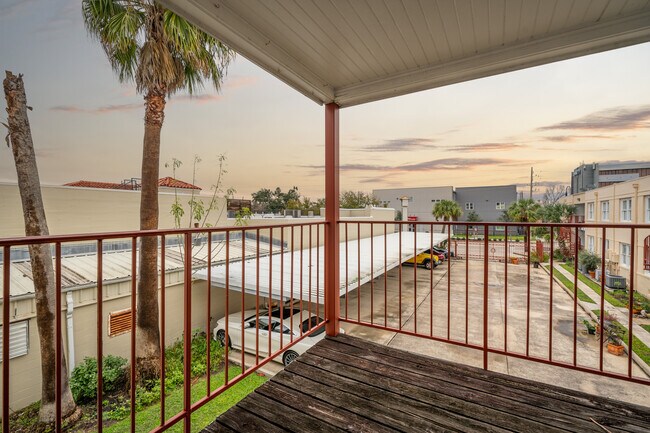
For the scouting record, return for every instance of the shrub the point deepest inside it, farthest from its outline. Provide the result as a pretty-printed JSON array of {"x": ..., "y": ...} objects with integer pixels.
[
  {"x": 83, "y": 382},
  {"x": 174, "y": 359},
  {"x": 534, "y": 258},
  {"x": 558, "y": 255},
  {"x": 589, "y": 260}
]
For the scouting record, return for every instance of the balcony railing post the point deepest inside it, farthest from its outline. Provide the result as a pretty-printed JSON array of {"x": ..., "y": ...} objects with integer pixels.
[
  {"x": 332, "y": 271},
  {"x": 5, "y": 337},
  {"x": 485, "y": 297},
  {"x": 187, "y": 330}
]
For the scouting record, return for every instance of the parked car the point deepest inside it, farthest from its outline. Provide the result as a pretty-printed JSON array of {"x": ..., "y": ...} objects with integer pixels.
[
  {"x": 425, "y": 259},
  {"x": 443, "y": 251},
  {"x": 259, "y": 327}
]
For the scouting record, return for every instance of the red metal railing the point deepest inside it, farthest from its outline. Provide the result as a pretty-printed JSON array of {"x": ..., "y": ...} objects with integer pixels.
[
  {"x": 529, "y": 305},
  {"x": 426, "y": 303},
  {"x": 278, "y": 251}
]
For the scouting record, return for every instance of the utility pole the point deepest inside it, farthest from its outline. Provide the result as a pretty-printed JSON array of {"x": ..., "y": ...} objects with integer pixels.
[{"x": 530, "y": 195}]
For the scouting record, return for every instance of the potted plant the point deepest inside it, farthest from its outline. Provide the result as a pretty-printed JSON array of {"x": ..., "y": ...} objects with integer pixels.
[
  {"x": 589, "y": 262},
  {"x": 591, "y": 329},
  {"x": 614, "y": 342},
  {"x": 514, "y": 260}
]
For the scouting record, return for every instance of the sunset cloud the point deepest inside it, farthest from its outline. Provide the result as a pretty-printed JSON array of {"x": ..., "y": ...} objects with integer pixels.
[
  {"x": 436, "y": 164},
  {"x": 487, "y": 147},
  {"x": 402, "y": 145},
  {"x": 201, "y": 99},
  {"x": 571, "y": 138},
  {"x": 99, "y": 110},
  {"x": 611, "y": 119}
]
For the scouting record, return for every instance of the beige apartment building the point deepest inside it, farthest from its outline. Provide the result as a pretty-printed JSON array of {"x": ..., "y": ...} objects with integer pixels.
[{"x": 625, "y": 203}]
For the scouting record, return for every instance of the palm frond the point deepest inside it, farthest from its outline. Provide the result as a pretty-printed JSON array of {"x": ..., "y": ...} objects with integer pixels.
[{"x": 155, "y": 47}]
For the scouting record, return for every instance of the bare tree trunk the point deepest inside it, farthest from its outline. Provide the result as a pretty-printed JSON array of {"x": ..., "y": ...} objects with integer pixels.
[
  {"x": 40, "y": 255},
  {"x": 148, "y": 332}
]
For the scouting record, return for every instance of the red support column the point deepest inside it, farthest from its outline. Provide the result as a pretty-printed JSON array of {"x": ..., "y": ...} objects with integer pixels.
[{"x": 332, "y": 271}]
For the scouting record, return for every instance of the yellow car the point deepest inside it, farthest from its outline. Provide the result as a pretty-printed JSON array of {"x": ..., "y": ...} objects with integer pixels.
[{"x": 425, "y": 259}]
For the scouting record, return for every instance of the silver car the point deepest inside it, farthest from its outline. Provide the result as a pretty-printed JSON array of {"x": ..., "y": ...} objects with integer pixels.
[{"x": 259, "y": 329}]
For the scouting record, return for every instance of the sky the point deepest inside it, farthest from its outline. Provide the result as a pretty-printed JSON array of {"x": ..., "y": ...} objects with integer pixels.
[{"x": 491, "y": 131}]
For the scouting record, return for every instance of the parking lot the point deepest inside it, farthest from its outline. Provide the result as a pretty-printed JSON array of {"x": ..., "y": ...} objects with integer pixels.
[{"x": 422, "y": 303}]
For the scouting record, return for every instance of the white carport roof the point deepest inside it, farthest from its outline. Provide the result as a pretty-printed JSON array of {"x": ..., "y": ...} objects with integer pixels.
[
  {"x": 278, "y": 284},
  {"x": 352, "y": 51}
]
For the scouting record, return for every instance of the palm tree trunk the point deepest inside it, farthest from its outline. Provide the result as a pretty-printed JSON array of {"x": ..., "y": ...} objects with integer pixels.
[
  {"x": 29, "y": 186},
  {"x": 148, "y": 332}
]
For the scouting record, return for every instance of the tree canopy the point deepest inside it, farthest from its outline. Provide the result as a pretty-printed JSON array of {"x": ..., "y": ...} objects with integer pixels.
[
  {"x": 357, "y": 200},
  {"x": 447, "y": 210},
  {"x": 524, "y": 211},
  {"x": 274, "y": 201}
]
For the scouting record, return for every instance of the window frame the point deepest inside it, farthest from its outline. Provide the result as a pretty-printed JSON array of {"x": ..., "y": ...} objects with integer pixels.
[
  {"x": 626, "y": 211},
  {"x": 500, "y": 205},
  {"x": 604, "y": 210},
  {"x": 590, "y": 211},
  {"x": 623, "y": 247},
  {"x": 469, "y": 205}
]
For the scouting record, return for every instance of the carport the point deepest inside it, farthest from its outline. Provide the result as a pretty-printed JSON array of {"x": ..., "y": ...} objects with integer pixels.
[{"x": 299, "y": 274}]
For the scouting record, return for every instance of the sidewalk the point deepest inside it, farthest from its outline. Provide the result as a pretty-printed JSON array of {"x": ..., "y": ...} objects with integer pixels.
[{"x": 620, "y": 313}]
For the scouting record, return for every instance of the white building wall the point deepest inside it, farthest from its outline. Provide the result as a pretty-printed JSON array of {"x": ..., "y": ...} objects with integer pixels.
[{"x": 88, "y": 210}]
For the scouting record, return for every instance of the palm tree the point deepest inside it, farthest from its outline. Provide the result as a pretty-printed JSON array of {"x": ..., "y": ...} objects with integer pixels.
[
  {"x": 448, "y": 210},
  {"x": 524, "y": 211},
  {"x": 162, "y": 53},
  {"x": 40, "y": 255}
]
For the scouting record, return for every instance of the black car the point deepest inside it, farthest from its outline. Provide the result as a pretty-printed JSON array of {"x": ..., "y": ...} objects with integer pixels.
[{"x": 443, "y": 251}]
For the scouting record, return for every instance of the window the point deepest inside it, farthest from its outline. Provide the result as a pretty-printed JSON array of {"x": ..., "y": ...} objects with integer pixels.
[
  {"x": 604, "y": 211},
  {"x": 469, "y": 206},
  {"x": 606, "y": 245},
  {"x": 646, "y": 254},
  {"x": 437, "y": 200},
  {"x": 119, "y": 322},
  {"x": 18, "y": 339},
  {"x": 590, "y": 211},
  {"x": 625, "y": 254},
  {"x": 590, "y": 243},
  {"x": 501, "y": 205},
  {"x": 647, "y": 208},
  {"x": 626, "y": 209}
]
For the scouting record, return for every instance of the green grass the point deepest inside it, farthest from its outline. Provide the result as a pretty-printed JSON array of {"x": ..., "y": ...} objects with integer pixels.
[
  {"x": 595, "y": 287},
  {"x": 149, "y": 418},
  {"x": 646, "y": 327},
  {"x": 569, "y": 284}
]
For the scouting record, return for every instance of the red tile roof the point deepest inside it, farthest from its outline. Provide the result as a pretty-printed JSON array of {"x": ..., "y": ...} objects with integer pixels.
[
  {"x": 170, "y": 182},
  {"x": 102, "y": 185}
]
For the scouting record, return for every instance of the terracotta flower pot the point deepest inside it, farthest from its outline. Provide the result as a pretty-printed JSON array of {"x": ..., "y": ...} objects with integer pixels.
[
  {"x": 592, "y": 274},
  {"x": 515, "y": 260},
  {"x": 615, "y": 349}
]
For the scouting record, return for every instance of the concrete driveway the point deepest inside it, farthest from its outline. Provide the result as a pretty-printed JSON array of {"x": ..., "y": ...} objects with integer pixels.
[{"x": 422, "y": 303}]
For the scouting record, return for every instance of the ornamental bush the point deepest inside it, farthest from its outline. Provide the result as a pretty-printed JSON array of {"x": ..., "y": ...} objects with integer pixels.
[{"x": 83, "y": 382}]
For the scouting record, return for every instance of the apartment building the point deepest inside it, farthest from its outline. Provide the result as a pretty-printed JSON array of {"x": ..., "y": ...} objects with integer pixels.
[
  {"x": 626, "y": 203},
  {"x": 488, "y": 202}
]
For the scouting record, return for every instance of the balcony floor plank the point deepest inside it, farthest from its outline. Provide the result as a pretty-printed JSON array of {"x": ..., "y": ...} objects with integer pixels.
[{"x": 349, "y": 384}]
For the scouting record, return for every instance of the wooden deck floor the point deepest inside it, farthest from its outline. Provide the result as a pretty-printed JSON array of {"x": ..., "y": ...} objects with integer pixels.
[{"x": 349, "y": 384}]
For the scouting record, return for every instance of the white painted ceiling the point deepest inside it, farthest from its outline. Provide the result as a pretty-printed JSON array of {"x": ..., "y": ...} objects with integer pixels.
[{"x": 356, "y": 51}]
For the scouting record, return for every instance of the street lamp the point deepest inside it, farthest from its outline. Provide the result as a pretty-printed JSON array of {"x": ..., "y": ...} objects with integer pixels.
[{"x": 405, "y": 206}]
